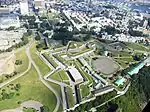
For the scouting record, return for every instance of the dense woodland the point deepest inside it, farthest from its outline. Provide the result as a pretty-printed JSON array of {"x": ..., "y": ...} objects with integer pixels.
[{"x": 136, "y": 97}]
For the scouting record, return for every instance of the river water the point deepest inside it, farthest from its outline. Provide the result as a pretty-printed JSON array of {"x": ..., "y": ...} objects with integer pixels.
[{"x": 143, "y": 8}]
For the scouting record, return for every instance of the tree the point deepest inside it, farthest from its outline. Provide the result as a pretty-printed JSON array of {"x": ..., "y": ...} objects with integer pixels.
[
  {"x": 37, "y": 37},
  {"x": 10, "y": 28},
  {"x": 62, "y": 34},
  {"x": 44, "y": 109}
]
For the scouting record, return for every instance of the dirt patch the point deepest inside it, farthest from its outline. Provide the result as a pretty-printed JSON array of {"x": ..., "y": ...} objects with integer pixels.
[
  {"x": 105, "y": 65},
  {"x": 7, "y": 65}
]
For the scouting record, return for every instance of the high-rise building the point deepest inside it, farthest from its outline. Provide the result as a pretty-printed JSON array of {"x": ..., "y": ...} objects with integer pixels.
[
  {"x": 24, "y": 8},
  {"x": 39, "y": 4}
]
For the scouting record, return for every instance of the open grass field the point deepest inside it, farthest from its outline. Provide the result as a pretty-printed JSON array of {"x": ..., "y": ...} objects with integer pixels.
[
  {"x": 121, "y": 54},
  {"x": 70, "y": 97},
  {"x": 84, "y": 90},
  {"x": 122, "y": 63},
  {"x": 30, "y": 89},
  {"x": 39, "y": 62},
  {"x": 80, "y": 52},
  {"x": 59, "y": 75},
  {"x": 126, "y": 59},
  {"x": 58, "y": 89},
  {"x": 25, "y": 61},
  {"x": 136, "y": 46}
]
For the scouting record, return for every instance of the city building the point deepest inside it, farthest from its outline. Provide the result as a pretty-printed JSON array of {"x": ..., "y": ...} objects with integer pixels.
[
  {"x": 24, "y": 8},
  {"x": 7, "y": 21},
  {"x": 39, "y": 4},
  {"x": 4, "y": 10}
]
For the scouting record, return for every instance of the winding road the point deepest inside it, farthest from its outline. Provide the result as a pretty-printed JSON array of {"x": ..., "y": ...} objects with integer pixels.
[
  {"x": 31, "y": 62},
  {"x": 43, "y": 81}
]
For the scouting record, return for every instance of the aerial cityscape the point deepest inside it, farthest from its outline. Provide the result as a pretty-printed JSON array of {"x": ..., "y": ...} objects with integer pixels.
[{"x": 74, "y": 55}]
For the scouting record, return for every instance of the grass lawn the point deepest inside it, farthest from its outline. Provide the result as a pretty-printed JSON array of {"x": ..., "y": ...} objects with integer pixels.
[
  {"x": 70, "y": 97},
  {"x": 122, "y": 63},
  {"x": 136, "y": 46},
  {"x": 84, "y": 89},
  {"x": 60, "y": 59},
  {"x": 50, "y": 60},
  {"x": 80, "y": 52},
  {"x": 59, "y": 75},
  {"x": 25, "y": 61},
  {"x": 39, "y": 62},
  {"x": 126, "y": 59},
  {"x": 31, "y": 89},
  {"x": 121, "y": 54},
  {"x": 58, "y": 89}
]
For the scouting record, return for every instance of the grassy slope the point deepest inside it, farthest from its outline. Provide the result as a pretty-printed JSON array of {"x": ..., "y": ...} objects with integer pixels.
[
  {"x": 43, "y": 67},
  {"x": 70, "y": 97},
  {"x": 22, "y": 56},
  {"x": 53, "y": 63},
  {"x": 137, "y": 46},
  {"x": 59, "y": 76},
  {"x": 31, "y": 89}
]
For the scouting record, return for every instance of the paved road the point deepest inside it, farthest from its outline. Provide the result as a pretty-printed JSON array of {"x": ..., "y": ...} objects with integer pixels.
[{"x": 43, "y": 81}]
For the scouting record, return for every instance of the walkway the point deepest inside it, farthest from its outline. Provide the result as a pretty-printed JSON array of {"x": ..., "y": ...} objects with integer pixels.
[
  {"x": 43, "y": 81},
  {"x": 27, "y": 104}
]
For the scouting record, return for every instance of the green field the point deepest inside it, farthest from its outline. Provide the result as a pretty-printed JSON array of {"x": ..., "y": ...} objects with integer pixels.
[
  {"x": 126, "y": 59},
  {"x": 121, "y": 54},
  {"x": 50, "y": 60},
  {"x": 25, "y": 61},
  {"x": 84, "y": 90},
  {"x": 136, "y": 46},
  {"x": 80, "y": 52},
  {"x": 39, "y": 62},
  {"x": 59, "y": 75},
  {"x": 70, "y": 97},
  {"x": 58, "y": 90},
  {"x": 122, "y": 63},
  {"x": 31, "y": 89}
]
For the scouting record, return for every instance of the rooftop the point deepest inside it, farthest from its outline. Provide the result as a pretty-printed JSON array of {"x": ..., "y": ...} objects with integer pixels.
[
  {"x": 75, "y": 74},
  {"x": 120, "y": 81},
  {"x": 136, "y": 69}
]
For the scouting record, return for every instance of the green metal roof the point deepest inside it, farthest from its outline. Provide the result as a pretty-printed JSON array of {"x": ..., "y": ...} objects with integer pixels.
[
  {"x": 120, "y": 81},
  {"x": 136, "y": 69}
]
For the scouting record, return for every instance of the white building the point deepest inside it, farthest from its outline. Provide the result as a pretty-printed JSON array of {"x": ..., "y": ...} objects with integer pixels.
[
  {"x": 4, "y": 10},
  {"x": 39, "y": 4},
  {"x": 77, "y": 78},
  {"x": 24, "y": 8},
  {"x": 9, "y": 21}
]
